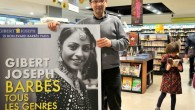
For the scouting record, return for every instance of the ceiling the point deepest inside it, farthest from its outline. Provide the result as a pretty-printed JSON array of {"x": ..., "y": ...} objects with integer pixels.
[
  {"x": 126, "y": 9},
  {"x": 24, "y": 7}
]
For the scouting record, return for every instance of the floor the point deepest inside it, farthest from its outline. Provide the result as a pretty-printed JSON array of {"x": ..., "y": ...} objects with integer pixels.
[{"x": 148, "y": 100}]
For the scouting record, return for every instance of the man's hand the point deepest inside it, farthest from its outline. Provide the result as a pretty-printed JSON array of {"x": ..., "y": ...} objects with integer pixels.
[
  {"x": 53, "y": 25},
  {"x": 104, "y": 42}
]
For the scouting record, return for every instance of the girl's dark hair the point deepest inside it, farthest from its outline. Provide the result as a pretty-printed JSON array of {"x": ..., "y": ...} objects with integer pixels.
[
  {"x": 172, "y": 47},
  {"x": 67, "y": 32},
  {"x": 91, "y": 65}
]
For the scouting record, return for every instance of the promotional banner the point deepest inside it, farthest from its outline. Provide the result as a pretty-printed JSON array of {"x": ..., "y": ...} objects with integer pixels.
[
  {"x": 50, "y": 70},
  {"x": 137, "y": 12}
]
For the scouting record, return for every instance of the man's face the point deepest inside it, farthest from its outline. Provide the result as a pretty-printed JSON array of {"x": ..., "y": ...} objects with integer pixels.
[{"x": 98, "y": 6}]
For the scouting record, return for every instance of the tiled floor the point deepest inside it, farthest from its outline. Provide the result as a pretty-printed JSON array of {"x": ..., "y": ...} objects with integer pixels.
[{"x": 148, "y": 100}]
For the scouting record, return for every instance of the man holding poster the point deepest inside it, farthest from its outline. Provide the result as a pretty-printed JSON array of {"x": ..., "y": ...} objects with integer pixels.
[{"x": 113, "y": 39}]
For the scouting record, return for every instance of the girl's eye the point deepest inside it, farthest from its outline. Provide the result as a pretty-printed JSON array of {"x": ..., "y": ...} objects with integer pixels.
[
  {"x": 73, "y": 46},
  {"x": 86, "y": 48}
]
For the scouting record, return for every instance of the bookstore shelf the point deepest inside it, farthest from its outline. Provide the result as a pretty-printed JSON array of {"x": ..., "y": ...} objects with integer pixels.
[
  {"x": 141, "y": 80},
  {"x": 157, "y": 43}
]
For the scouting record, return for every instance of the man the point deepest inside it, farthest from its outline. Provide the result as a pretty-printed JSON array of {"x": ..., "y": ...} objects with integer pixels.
[
  {"x": 190, "y": 42},
  {"x": 113, "y": 39}
]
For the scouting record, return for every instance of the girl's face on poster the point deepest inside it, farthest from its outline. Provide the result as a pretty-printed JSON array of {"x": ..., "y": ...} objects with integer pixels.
[{"x": 76, "y": 50}]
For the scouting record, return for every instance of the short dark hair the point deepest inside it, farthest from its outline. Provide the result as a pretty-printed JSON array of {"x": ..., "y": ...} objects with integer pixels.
[{"x": 172, "y": 47}]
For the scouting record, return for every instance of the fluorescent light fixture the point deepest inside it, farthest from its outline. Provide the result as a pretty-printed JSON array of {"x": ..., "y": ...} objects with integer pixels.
[
  {"x": 152, "y": 9},
  {"x": 159, "y": 12},
  {"x": 148, "y": 7},
  {"x": 31, "y": 13}
]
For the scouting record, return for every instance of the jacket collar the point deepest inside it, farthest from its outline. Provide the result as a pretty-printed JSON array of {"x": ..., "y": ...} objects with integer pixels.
[{"x": 105, "y": 16}]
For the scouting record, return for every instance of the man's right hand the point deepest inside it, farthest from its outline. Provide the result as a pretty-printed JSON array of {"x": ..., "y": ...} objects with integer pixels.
[{"x": 53, "y": 25}]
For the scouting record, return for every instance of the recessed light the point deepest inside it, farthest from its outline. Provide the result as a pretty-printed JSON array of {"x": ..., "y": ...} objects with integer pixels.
[
  {"x": 148, "y": 7},
  {"x": 154, "y": 10},
  {"x": 31, "y": 13},
  {"x": 159, "y": 13}
]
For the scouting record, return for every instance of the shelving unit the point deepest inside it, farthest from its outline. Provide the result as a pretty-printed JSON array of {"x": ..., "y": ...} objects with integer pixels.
[
  {"x": 183, "y": 34},
  {"x": 150, "y": 42},
  {"x": 138, "y": 83},
  {"x": 157, "y": 44},
  {"x": 174, "y": 33}
]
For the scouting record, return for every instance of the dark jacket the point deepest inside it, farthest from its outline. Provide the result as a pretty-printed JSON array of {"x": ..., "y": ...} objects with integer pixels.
[{"x": 190, "y": 42}]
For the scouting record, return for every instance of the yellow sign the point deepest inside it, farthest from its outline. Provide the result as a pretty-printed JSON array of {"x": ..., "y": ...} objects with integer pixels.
[
  {"x": 159, "y": 28},
  {"x": 81, "y": 1}
]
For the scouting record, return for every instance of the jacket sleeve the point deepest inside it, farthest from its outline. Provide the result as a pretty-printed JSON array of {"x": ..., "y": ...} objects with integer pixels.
[
  {"x": 187, "y": 44},
  {"x": 122, "y": 42}
]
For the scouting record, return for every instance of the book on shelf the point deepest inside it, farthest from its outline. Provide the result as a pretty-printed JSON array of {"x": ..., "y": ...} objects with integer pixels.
[
  {"x": 127, "y": 83},
  {"x": 136, "y": 85},
  {"x": 152, "y": 37},
  {"x": 156, "y": 68},
  {"x": 124, "y": 69},
  {"x": 161, "y": 37},
  {"x": 135, "y": 69}
]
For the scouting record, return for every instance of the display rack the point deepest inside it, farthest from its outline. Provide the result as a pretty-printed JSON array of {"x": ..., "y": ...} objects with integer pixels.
[
  {"x": 157, "y": 44},
  {"x": 181, "y": 34},
  {"x": 136, "y": 75}
]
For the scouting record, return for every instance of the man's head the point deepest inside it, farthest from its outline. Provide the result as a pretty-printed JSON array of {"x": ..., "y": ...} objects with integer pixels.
[{"x": 98, "y": 7}]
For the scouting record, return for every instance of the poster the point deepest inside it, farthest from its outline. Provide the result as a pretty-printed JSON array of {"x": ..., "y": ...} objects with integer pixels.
[
  {"x": 50, "y": 70},
  {"x": 137, "y": 12},
  {"x": 133, "y": 39}
]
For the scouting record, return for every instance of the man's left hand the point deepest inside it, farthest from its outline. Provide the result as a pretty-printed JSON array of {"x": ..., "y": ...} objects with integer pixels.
[{"x": 104, "y": 42}]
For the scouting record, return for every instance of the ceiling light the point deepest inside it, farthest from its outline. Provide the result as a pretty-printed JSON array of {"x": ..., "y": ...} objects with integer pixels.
[
  {"x": 31, "y": 13},
  {"x": 159, "y": 12},
  {"x": 152, "y": 9},
  {"x": 148, "y": 7}
]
